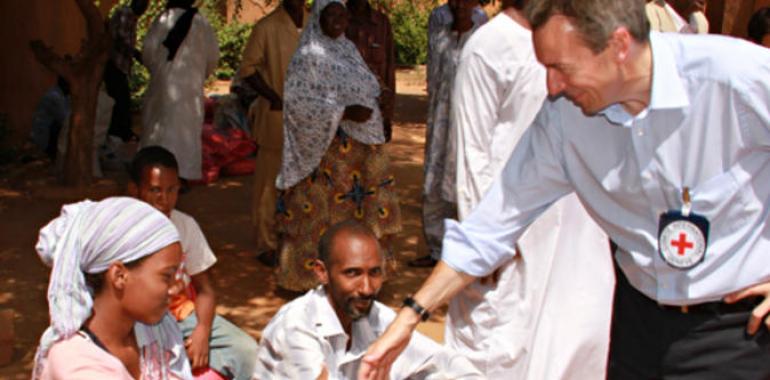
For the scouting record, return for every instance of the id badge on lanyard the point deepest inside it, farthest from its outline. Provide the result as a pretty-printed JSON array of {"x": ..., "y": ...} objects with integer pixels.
[{"x": 683, "y": 235}]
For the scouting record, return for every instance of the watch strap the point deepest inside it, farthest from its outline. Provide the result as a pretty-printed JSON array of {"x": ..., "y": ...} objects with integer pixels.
[{"x": 422, "y": 312}]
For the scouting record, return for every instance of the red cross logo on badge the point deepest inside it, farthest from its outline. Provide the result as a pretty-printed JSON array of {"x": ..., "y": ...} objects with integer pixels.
[{"x": 682, "y": 244}]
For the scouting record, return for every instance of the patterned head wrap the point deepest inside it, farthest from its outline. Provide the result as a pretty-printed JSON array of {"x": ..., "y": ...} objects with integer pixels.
[
  {"x": 325, "y": 76},
  {"x": 87, "y": 238}
]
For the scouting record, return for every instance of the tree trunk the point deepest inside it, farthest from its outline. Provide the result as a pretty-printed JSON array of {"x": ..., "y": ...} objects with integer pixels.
[
  {"x": 84, "y": 75},
  {"x": 78, "y": 160}
]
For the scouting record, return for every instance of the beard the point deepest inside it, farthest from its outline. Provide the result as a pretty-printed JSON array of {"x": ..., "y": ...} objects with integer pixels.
[{"x": 355, "y": 313}]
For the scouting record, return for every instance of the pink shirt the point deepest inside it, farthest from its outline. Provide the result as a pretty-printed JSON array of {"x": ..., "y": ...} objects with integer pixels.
[{"x": 78, "y": 358}]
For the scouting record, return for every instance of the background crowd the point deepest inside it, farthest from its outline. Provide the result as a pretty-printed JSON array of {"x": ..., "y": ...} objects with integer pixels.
[{"x": 315, "y": 92}]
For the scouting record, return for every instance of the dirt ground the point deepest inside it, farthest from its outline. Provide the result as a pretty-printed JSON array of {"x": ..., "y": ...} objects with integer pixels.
[{"x": 247, "y": 295}]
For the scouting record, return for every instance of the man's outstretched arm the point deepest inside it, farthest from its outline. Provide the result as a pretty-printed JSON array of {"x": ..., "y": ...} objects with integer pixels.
[{"x": 442, "y": 285}]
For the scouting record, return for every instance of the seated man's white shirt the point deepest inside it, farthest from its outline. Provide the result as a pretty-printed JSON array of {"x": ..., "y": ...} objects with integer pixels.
[
  {"x": 306, "y": 335},
  {"x": 707, "y": 127},
  {"x": 198, "y": 255}
]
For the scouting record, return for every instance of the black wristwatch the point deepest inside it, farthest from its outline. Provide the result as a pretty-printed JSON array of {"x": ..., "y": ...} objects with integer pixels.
[{"x": 422, "y": 312}]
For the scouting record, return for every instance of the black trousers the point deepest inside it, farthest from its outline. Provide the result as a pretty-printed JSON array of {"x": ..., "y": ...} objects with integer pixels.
[
  {"x": 652, "y": 342},
  {"x": 116, "y": 83}
]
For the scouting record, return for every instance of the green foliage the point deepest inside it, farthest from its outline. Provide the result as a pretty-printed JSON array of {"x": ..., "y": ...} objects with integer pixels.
[
  {"x": 410, "y": 30},
  {"x": 232, "y": 38}
]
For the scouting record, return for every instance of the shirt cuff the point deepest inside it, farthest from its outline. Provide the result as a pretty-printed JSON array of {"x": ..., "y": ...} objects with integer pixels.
[{"x": 475, "y": 256}]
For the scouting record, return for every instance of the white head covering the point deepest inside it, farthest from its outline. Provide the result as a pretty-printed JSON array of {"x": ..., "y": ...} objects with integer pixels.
[
  {"x": 88, "y": 237},
  {"x": 325, "y": 76}
]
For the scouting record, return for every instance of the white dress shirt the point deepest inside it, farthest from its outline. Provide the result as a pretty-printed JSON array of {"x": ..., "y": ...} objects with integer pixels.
[
  {"x": 706, "y": 128},
  {"x": 516, "y": 329},
  {"x": 305, "y": 336}
]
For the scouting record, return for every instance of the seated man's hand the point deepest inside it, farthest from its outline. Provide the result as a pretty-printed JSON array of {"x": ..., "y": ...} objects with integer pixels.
[
  {"x": 197, "y": 346},
  {"x": 759, "y": 314}
]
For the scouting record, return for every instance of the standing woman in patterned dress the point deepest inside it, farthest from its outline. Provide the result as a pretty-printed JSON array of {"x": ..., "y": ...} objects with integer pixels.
[{"x": 333, "y": 166}]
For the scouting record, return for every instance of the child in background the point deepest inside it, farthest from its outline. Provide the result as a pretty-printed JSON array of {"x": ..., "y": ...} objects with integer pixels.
[{"x": 211, "y": 340}]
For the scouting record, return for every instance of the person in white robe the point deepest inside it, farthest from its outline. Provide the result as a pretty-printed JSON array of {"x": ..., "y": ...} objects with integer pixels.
[
  {"x": 445, "y": 42},
  {"x": 512, "y": 326},
  {"x": 172, "y": 113}
]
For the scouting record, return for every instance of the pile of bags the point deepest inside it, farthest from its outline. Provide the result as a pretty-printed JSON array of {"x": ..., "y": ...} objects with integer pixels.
[{"x": 226, "y": 151}]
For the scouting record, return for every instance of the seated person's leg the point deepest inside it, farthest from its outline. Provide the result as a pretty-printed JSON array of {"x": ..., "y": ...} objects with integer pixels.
[{"x": 232, "y": 352}]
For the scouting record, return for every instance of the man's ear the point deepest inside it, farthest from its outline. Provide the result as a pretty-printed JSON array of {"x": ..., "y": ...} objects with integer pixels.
[
  {"x": 320, "y": 272},
  {"x": 117, "y": 275},
  {"x": 620, "y": 44},
  {"x": 132, "y": 189}
]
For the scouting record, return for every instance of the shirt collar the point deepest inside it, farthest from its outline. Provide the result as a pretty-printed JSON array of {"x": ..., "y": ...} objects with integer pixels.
[
  {"x": 364, "y": 331},
  {"x": 325, "y": 318},
  {"x": 666, "y": 91}
]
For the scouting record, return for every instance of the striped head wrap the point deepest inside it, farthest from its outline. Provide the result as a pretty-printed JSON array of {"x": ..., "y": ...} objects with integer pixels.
[{"x": 87, "y": 238}]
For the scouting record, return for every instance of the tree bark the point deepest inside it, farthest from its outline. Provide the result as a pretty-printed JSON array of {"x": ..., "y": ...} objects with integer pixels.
[{"x": 84, "y": 74}]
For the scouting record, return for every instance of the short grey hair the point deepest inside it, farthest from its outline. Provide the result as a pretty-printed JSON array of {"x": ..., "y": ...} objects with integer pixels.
[{"x": 596, "y": 20}]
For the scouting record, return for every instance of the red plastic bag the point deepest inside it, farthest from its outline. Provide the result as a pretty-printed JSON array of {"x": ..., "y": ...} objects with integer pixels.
[{"x": 225, "y": 148}]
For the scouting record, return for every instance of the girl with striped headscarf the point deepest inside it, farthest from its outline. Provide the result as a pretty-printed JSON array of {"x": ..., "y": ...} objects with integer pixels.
[{"x": 113, "y": 270}]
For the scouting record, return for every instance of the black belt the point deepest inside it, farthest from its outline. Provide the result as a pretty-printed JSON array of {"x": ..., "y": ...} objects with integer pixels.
[{"x": 717, "y": 307}]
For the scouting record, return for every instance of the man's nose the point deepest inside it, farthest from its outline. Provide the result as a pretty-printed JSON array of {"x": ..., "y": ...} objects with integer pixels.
[
  {"x": 367, "y": 287},
  {"x": 555, "y": 82}
]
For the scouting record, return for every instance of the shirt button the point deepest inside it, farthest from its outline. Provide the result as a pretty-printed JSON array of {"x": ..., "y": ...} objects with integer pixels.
[{"x": 640, "y": 132}]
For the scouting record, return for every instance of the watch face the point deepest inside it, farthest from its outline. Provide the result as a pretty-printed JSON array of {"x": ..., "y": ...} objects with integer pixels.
[{"x": 682, "y": 244}]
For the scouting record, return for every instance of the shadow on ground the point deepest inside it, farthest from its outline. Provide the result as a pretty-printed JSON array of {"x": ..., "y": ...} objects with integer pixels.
[{"x": 247, "y": 295}]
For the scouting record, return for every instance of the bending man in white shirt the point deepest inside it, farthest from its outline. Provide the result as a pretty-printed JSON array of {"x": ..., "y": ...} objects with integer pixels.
[
  {"x": 324, "y": 334},
  {"x": 512, "y": 328},
  {"x": 656, "y": 133}
]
